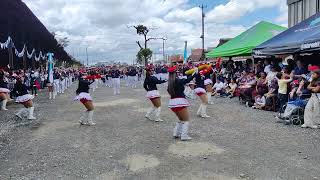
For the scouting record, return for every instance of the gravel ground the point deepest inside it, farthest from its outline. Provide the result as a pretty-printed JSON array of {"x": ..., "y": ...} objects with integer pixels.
[{"x": 235, "y": 143}]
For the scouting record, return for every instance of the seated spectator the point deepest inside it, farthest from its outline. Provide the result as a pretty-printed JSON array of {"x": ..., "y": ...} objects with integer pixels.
[
  {"x": 299, "y": 71},
  {"x": 272, "y": 92},
  {"x": 247, "y": 88},
  {"x": 218, "y": 87},
  {"x": 260, "y": 102},
  {"x": 231, "y": 88},
  {"x": 262, "y": 84}
]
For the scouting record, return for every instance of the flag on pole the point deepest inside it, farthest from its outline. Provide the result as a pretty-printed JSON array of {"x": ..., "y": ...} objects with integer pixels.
[
  {"x": 185, "y": 54},
  {"x": 50, "y": 67}
]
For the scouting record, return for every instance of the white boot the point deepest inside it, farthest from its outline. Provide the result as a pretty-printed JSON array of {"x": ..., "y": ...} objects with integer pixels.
[
  {"x": 20, "y": 113},
  {"x": 4, "y": 105},
  {"x": 204, "y": 112},
  {"x": 209, "y": 96},
  {"x": 184, "y": 131},
  {"x": 84, "y": 118},
  {"x": 150, "y": 113},
  {"x": 30, "y": 116},
  {"x": 199, "y": 110},
  {"x": 50, "y": 95},
  {"x": 177, "y": 130},
  {"x": 90, "y": 116},
  {"x": 157, "y": 115}
]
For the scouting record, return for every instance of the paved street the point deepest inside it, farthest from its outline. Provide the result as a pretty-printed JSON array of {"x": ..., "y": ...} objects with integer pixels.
[{"x": 235, "y": 143}]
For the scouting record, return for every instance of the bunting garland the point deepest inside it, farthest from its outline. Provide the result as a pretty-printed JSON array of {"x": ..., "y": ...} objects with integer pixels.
[{"x": 9, "y": 43}]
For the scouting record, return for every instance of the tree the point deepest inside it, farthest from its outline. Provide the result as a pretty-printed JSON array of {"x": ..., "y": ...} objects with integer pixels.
[
  {"x": 144, "y": 55},
  {"x": 142, "y": 30}
]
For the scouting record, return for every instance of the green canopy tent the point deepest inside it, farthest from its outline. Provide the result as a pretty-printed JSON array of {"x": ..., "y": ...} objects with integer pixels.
[{"x": 243, "y": 44}]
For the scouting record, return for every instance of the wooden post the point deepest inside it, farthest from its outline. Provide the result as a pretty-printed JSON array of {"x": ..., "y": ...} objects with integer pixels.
[
  {"x": 25, "y": 60},
  {"x": 10, "y": 57},
  {"x": 33, "y": 61}
]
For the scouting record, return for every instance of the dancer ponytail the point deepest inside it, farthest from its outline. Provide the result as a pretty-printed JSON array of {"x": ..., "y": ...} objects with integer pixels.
[{"x": 172, "y": 83}]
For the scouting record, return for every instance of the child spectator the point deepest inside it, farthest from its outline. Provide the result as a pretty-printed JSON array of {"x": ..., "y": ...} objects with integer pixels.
[
  {"x": 283, "y": 89},
  {"x": 260, "y": 102}
]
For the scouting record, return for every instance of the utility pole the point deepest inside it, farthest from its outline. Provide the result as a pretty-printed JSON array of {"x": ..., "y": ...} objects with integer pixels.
[
  {"x": 163, "y": 53},
  {"x": 87, "y": 56},
  {"x": 202, "y": 36}
]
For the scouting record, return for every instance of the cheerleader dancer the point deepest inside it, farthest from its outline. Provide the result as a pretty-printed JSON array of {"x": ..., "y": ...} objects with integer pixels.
[
  {"x": 4, "y": 92},
  {"x": 50, "y": 89},
  {"x": 150, "y": 85},
  {"x": 115, "y": 75},
  {"x": 24, "y": 98},
  {"x": 84, "y": 97},
  {"x": 56, "y": 83},
  {"x": 208, "y": 83},
  {"x": 178, "y": 103},
  {"x": 201, "y": 92}
]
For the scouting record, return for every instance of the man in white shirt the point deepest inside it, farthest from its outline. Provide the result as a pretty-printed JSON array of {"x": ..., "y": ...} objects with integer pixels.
[
  {"x": 267, "y": 67},
  {"x": 271, "y": 75},
  {"x": 219, "y": 87}
]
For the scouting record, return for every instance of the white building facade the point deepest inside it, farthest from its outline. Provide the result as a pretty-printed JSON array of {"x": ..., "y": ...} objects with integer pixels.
[{"x": 299, "y": 10}]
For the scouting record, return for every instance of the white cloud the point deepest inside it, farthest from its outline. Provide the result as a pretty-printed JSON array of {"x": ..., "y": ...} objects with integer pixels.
[
  {"x": 235, "y": 9},
  {"x": 101, "y": 25}
]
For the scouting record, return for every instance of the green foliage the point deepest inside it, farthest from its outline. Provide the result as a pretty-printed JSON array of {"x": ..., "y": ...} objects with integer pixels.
[
  {"x": 142, "y": 30},
  {"x": 144, "y": 55}
]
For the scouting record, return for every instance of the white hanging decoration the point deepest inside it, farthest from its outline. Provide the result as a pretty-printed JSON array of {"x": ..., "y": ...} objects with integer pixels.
[
  {"x": 21, "y": 53},
  {"x": 6, "y": 44},
  {"x": 10, "y": 43},
  {"x": 30, "y": 54}
]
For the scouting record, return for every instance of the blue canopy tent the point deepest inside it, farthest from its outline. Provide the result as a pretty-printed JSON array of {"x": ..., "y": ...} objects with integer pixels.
[{"x": 301, "y": 38}]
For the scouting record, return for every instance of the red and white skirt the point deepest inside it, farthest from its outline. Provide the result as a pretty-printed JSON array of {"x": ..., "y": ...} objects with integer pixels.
[
  {"x": 24, "y": 98},
  {"x": 153, "y": 94},
  {"x": 207, "y": 82},
  {"x": 83, "y": 97},
  {"x": 200, "y": 91},
  {"x": 176, "y": 104},
  {"x": 4, "y": 90}
]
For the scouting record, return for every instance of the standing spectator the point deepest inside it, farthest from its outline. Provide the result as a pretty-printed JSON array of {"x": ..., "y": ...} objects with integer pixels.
[
  {"x": 312, "y": 109},
  {"x": 267, "y": 67},
  {"x": 271, "y": 75}
]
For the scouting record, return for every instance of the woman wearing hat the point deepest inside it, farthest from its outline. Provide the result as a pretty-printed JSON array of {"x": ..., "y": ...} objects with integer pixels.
[
  {"x": 24, "y": 98},
  {"x": 85, "y": 98},
  {"x": 150, "y": 85},
  {"x": 312, "y": 110},
  {"x": 178, "y": 103}
]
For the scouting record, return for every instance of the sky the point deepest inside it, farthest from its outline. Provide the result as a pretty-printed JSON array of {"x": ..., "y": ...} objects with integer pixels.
[{"x": 104, "y": 27}]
